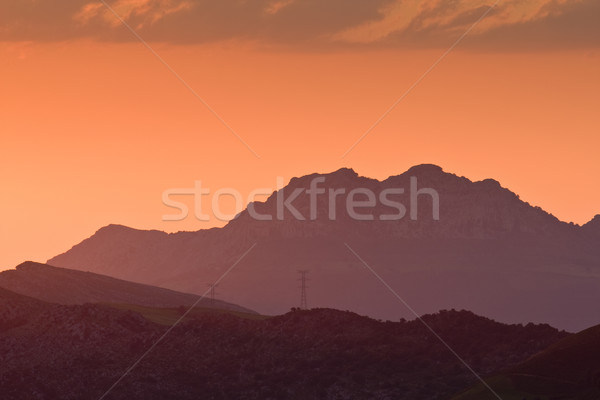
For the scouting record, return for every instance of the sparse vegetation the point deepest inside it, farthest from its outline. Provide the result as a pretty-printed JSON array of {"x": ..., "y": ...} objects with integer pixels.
[{"x": 77, "y": 352}]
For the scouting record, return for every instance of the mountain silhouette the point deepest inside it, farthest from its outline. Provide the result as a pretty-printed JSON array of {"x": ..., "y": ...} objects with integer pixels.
[
  {"x": 592, "y": 228},
  {"x": 66, "y": 286},
  {"x": 489, "y": 252}
]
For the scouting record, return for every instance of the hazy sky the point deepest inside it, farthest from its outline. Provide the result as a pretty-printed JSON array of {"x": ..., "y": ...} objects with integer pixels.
[{"x": 94, "y": 127}]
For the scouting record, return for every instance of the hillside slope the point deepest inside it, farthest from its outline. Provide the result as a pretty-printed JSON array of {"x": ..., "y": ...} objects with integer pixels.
[
  {"x": 568, "y": 369},
  {"x": 65, "y": 286},
  {"x": 79, "y": 351}
]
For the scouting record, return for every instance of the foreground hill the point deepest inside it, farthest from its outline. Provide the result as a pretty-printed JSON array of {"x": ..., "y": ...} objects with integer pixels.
[
  {"x": 15, "y": 309},
  {"x": 65, "y": 286},
  {"x": 489, "y": 252},
  {"x": 568, "y": 369},
  {"x": 79, "y": 351}
]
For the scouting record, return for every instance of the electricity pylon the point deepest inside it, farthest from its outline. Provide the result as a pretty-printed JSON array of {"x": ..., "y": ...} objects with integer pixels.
[
  {"x": 212, "y": 287},
  {"x": 303, "y": 279}
]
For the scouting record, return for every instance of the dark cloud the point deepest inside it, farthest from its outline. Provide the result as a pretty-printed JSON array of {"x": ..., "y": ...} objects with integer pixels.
[
  {"x": 306, "y": 20},
  {"x": 556, "y": 26},
  {"x": 39, "y": 20},
  {"x": 310, "y": 23},
  {"x": 569, "y": 25},
  {"x": 196, "y": 21},
  {"x": 437, "y": 26}
]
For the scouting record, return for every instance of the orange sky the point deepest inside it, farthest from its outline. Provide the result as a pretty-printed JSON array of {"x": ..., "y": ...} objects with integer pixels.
[{"x": 92, "y": 131}]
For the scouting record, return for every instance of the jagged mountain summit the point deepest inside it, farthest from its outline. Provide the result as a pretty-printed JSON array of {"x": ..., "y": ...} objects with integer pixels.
[{"x": 482, "y": 249}]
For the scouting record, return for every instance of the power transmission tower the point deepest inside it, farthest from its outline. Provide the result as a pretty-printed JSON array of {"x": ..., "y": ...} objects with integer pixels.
[
  {"x": 212, "y": 287},
  {"x": 303, "y": 279}
]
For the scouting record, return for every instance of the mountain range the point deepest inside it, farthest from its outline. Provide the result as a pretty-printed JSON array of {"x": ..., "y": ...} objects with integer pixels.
[{"x": 489, "y": 252}]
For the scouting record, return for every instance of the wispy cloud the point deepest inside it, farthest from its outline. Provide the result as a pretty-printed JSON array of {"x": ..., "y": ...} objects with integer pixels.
[{"x": 514, "y": 25}]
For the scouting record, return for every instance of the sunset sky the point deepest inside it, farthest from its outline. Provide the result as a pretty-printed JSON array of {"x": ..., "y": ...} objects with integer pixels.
[{"x": 94, "y": 127}]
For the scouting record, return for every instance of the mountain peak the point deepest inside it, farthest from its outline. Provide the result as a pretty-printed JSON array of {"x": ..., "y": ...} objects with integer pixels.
[
  {"x": 490, "y": 182},
  {"x": 593, "y": 225},
  {"x": 595, "y": 220},
  {"x": 115, "y": 228},
  {"x": 344, "y": 171},
  {"x": 30, "y": 265},
  {"x": 424, "y": 169}
]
